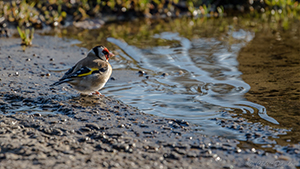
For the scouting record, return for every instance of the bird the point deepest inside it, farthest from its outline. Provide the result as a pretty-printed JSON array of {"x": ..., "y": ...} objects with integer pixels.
[{"x": 91, "y": 73}]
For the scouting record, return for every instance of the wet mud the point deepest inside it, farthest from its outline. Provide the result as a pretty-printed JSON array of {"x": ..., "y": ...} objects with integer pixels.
[
  {"x": 43, "y": 127},
  {"x": 271, "y": 66}
]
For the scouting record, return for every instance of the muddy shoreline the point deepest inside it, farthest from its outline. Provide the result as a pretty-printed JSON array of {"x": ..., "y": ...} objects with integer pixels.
[{"x": 43, "y": 127}]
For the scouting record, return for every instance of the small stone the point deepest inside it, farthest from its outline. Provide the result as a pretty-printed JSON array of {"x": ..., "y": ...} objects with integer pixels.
[
  {"x": 284, "y": 158},
  {"x": 191, "y": 155},
  {"x": 141, "y": 73},
  {"x": 85, "y": 129},
  {"x": 248, "y": 135},
  {"x": 165, "y": 74},
  {"x": 167, "y": 128},
  {"x": 238, "y": 150},
  {"x": 148, "y": 132},
  {"x": 53, "y": 122},
  {"x": 121, "y": 126},
  {"x": 173, "y": 155},
  {"x": 47, "y": 131},
  {"x": 182, "y": 152},
  {"x": 144, "y": 125},
  {"x": 57, "y": 132},
  {"x": 92, "y": 126},
  {"x": 120, "y": 146},
  {"x": 257, "y": 135},
  {"x": 180, "y": 72},
  {"x": 15, "y": 127},
  {"x": 83, "y": 139}
]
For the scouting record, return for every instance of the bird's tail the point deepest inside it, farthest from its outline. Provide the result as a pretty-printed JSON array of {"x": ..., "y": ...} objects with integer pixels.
[{"x": 60, "y": 82}]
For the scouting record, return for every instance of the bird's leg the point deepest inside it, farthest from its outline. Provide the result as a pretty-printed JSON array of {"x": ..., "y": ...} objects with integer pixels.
[{"x": 97, "y": 93}]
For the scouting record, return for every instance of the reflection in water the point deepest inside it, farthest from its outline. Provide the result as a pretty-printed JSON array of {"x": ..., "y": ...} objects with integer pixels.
[{"x": 202, "y": 78}]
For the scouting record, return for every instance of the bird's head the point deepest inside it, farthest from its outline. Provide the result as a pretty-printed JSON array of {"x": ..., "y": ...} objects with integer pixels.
[{"x": 101, "y": 52}]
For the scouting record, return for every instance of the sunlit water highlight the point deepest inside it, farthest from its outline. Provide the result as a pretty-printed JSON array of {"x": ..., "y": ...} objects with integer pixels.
[{"x": 203, "y": 79}]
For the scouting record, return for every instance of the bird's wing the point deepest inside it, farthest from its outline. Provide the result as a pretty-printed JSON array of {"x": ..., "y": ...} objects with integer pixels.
[
  {"x": 83, "y": 71},
  {"x": 83, "y": 68}
]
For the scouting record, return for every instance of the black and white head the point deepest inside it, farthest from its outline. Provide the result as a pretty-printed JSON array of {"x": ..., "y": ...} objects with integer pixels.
[{"x": 101, "y": 52}]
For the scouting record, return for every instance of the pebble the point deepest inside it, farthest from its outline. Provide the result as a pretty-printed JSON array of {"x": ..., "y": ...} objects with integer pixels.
[
  {"x": 124, "y": 147},
  {"x": 141, "y": 72},
  {"x": 144, "y": 125},
  {"x": 57, "y": 132},
  {"x": 167, "y": 128},
  {"x": 191, "y": 154},
  {"x": 148, "y": 132},
  {"x": 92, "y": 126},
  {"x": 173, "y": 155},
  {"x": 85, "y": 129},
  {"x": 121, "y": 126},
  {"x": 284, "y": 158},
  {"x": 180, "y": 151},
  {"x": 238, "y": 150},
  {"x": 180, "y": 72},
  {"x": 248, "y": 135}
]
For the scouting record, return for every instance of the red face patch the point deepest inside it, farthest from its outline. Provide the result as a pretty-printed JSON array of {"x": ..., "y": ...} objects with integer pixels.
[{"x": 106, "y": 53}]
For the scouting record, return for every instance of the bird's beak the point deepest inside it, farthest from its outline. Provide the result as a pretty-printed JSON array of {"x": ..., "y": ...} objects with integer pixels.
[{"x": 111, "y": 54}]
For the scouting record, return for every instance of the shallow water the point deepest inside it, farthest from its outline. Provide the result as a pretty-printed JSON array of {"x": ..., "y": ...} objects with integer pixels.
[
  {"x": 202, "y": 79},
  {"x": 190, "y": 69}
]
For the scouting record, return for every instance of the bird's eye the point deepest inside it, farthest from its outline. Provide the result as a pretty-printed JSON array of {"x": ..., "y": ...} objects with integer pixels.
[{"x": 105, "y": 52}]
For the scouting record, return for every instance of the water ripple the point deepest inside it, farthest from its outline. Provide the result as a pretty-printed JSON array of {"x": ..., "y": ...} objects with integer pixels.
[{"x": 203, "y": 78}]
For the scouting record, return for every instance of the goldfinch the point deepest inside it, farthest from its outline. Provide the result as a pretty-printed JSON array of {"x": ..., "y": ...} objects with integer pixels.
[{"x": 91, "y": 73}]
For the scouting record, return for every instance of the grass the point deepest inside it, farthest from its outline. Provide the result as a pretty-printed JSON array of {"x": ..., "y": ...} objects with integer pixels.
[
  {"x": 26, "y": 36},
  {"x": 37, "y": 13},
  {"x": 33, "y": 13}
]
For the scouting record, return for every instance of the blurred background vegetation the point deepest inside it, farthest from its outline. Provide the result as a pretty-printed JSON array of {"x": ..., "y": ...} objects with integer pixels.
[{"x": 41, "y": 13}]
